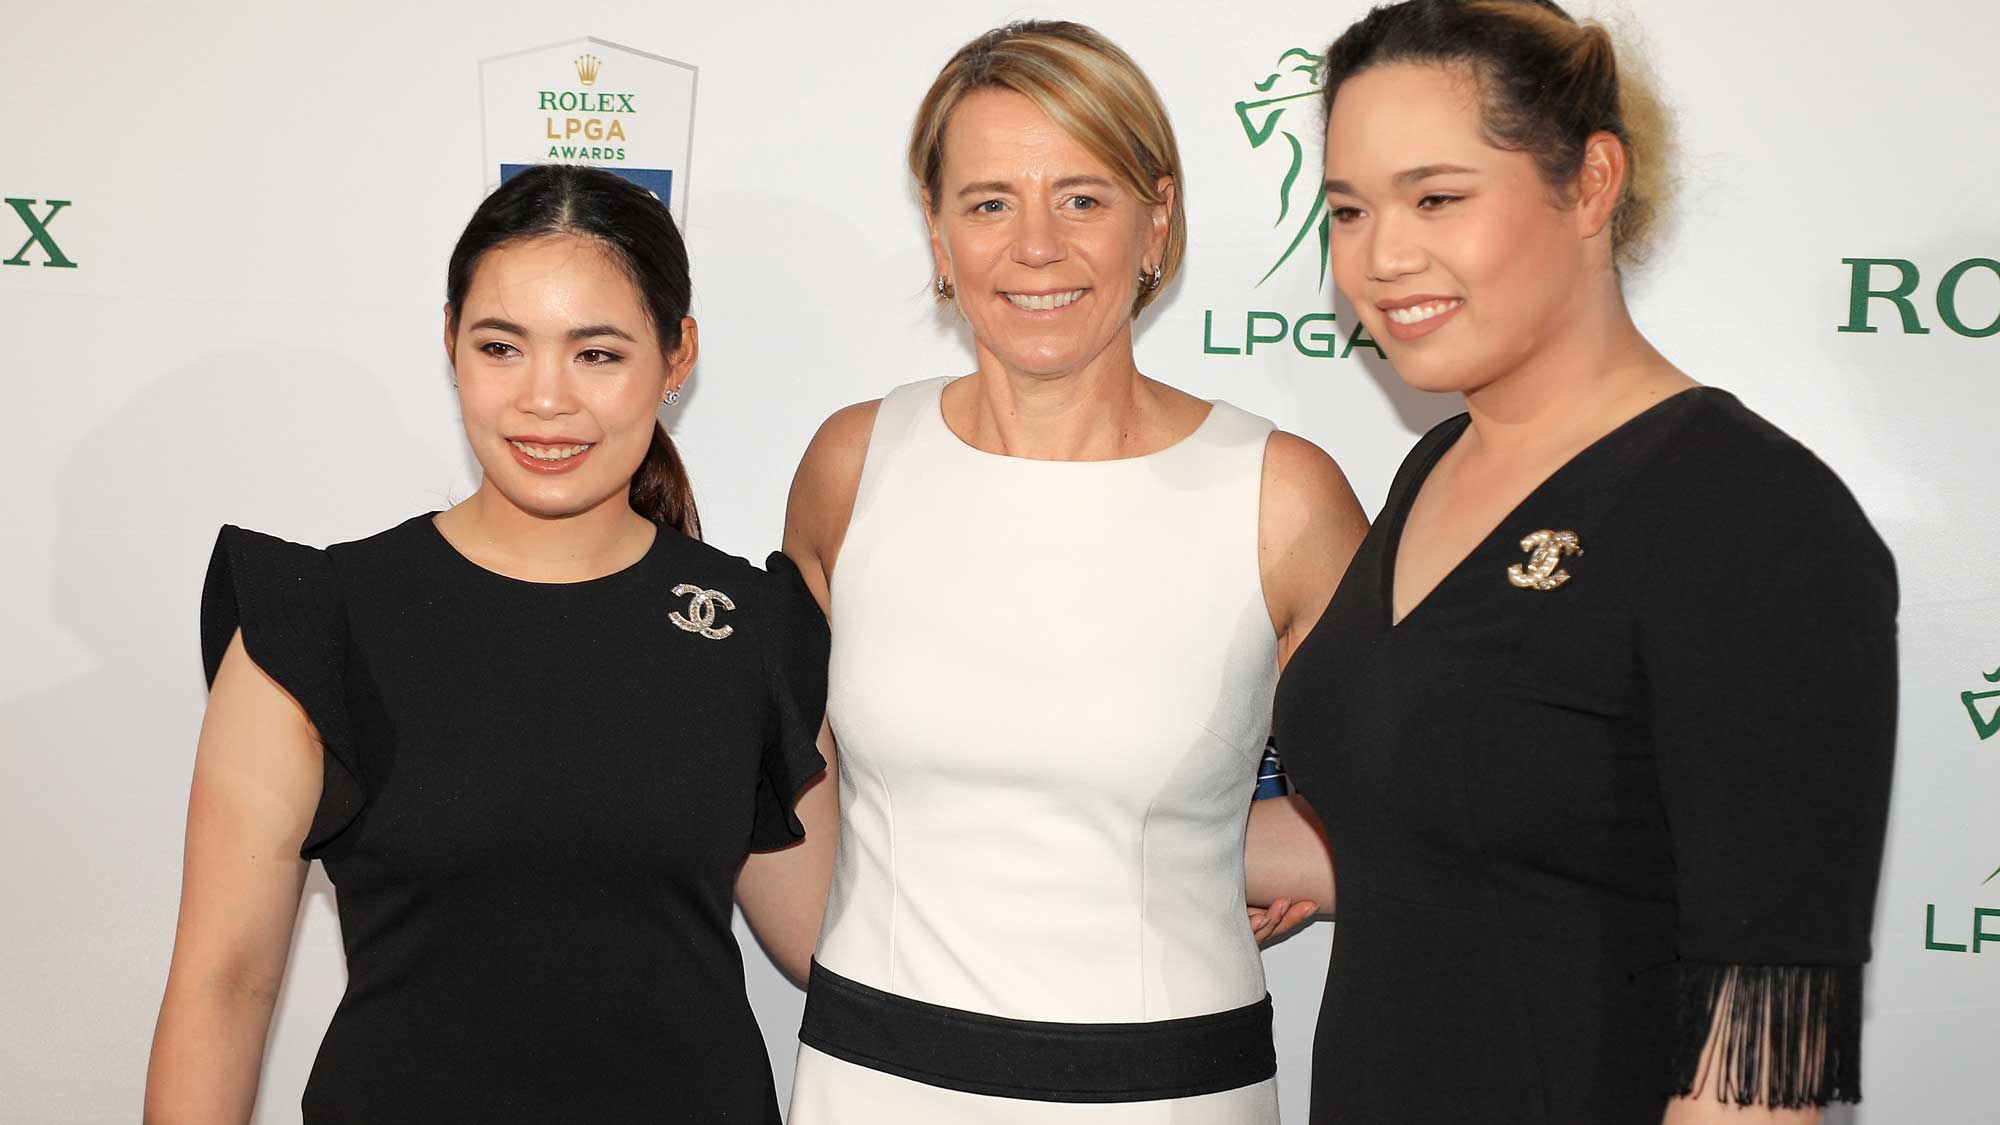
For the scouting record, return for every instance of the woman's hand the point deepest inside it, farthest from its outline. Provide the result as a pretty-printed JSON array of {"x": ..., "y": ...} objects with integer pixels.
[{"x": 1280, "y": 918}]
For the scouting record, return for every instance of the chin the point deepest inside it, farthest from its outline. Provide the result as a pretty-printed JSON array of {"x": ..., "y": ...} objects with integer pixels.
[
  {"x": 544, "y": 500},
  {"x": 1437, "y": 385},
  {"x": 1434, "y": 373},
  {"x": 1048, "y": 362},
  {"x": 1421, "y": 376}
]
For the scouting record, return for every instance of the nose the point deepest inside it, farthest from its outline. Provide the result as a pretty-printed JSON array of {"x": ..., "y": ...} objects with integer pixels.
[
  {"x": 1037, "y": 241},
  {"x": 546, "y": 392},
  {"x": 1394, "y": 251}
]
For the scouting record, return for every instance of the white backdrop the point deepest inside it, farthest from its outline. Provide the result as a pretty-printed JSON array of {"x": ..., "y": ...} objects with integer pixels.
[{"x": 261, "y": 199}]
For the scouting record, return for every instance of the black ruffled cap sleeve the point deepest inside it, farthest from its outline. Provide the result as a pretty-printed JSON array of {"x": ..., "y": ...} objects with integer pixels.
[
  {"x": 284, "y": 599},
  {"x": 1768, "y": 637},
  {"x": 796, "y": 644}
]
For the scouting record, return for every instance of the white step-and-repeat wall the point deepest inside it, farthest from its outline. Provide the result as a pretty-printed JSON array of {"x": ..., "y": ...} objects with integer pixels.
[{"x": 225, "y": 229}]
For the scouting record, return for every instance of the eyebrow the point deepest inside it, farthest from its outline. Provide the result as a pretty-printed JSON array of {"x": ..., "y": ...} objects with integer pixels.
[
  {"x": 589, "y": 330},
  {"x": 583, "y": 333},
  {"x": 1002, "y": 187},
  {"x": 1404, "y": 178}
]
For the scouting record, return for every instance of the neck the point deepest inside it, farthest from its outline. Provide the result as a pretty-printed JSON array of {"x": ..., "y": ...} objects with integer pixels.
[
  {"x": 1091, "y": 413},
  {"x": 495, "y": 533},
  {"x": 1577, "y": 385}
]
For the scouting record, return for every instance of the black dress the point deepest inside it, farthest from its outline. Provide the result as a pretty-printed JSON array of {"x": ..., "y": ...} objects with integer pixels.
[
  {"x": 1567, "y": 821},
  {"x": 536, "y": 800}
]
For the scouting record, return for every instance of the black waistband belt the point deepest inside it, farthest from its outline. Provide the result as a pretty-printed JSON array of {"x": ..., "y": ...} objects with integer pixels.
[{"x": 1033, "y": 1060}]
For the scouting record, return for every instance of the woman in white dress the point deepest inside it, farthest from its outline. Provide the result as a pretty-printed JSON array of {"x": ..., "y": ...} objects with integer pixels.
[{"x": 1063, "y": 595}]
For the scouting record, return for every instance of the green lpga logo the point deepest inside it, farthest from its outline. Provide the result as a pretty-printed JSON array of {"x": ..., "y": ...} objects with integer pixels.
[
  {"x": 1984, "y": 727},
  {"x": 1264, "y": 119},
  {"x": 1273, "y": 120},
  {"x": 1982, "y": 916},
  {"x": 1977, "y": 939},
  {"x": 38, "y": 233}
]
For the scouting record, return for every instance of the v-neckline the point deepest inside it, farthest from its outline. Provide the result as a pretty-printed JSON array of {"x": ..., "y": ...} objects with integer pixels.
[{"x": 1401, "y": 516}]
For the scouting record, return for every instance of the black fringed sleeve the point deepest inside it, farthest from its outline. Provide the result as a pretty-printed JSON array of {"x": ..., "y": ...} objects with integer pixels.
[{"x": 1768, "y": 641}]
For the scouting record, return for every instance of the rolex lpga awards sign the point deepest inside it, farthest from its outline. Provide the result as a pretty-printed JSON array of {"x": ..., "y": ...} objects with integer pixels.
[{"x": 590, "y": 101}]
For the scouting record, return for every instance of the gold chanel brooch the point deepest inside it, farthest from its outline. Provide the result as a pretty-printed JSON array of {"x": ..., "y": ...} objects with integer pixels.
[
  {"x": 1548, "y": 550},
  {"x": 701, "y": 611}
]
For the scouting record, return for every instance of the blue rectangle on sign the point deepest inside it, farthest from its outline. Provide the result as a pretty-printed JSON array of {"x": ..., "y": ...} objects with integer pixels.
[{"x": 659, "y": 181}]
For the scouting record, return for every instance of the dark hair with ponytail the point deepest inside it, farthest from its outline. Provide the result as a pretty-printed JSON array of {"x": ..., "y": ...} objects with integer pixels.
[
  {"x": 1546, "y": 84},
  {"x": 641, "y": 237}
]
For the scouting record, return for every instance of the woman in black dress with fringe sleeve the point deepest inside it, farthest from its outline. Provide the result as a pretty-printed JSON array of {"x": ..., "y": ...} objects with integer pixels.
[{"x": 1600, "y": 720}]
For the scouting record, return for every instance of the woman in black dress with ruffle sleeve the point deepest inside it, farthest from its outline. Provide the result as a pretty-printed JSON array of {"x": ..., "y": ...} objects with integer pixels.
[
  {"x": 532, "y": 738},
  {"x": 1600, "y": 721}
]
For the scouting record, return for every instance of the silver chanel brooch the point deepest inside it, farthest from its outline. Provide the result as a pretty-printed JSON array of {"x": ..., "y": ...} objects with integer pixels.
[{"x": 701, "y": 611}]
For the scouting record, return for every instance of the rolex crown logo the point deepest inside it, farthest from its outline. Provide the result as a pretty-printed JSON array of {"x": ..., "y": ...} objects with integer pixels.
[{"x": 587, "y": 67}]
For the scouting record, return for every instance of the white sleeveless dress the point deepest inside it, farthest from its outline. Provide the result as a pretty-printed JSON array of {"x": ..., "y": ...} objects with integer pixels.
[{"x": 1051, "y": 684}]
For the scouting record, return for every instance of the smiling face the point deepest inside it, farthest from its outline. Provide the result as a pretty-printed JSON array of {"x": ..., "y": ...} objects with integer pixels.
[
  {"x": 1457, "y": 256},
  {"x": 1041, "y": 243},
  {"x": 559, "y": 373}
]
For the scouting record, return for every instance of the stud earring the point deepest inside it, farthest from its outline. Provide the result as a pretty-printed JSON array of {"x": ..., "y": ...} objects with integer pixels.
[{"x": 671, "y": 397}]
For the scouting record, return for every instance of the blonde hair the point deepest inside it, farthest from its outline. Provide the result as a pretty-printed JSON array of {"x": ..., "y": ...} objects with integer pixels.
[{"x": 1093, "y": 92}]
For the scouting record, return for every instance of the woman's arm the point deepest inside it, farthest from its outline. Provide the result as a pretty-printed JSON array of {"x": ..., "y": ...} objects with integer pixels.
[
  {"x": 1309, "y": 525},
  {"x": 257, "y": 778},
  {"x": 1286, "y": 860},
  {"x": 1770, "y": 698},
  {"x": 1702, "y": 1106},
  {"x": 1710, "y": 1111},
  {"x": 783, "y": 893}
]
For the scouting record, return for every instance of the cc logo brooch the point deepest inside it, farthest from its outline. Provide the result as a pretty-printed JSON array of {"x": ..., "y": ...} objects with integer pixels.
[
  {"x": 1547, "y": 551},
  {"x": 701, "y": 611}
]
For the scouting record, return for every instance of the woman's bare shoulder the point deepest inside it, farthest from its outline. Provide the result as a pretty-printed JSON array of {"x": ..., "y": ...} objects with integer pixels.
[{"x": 823, "y": 489}]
